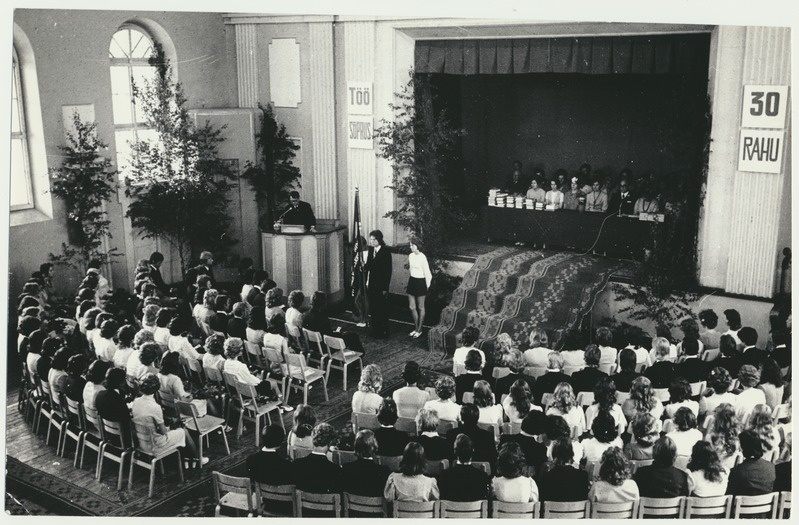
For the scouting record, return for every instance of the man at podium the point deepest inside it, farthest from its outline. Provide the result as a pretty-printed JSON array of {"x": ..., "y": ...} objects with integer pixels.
[{"x": 299, "y": 212}]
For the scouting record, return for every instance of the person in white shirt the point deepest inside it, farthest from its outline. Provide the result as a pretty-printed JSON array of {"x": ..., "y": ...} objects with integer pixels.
[
  {"x": 233, "y": 348},
  {"x": 680, "y": 396},
  {"x": 686, "y": 434},
  {"x": 445, "y": 405},
  {"x": 605, "y": 435},
  {"x": 734, "y": 324},
  {"x": 418, "y": 284},
  {"x": 718, "y": 383},
  {"x": 491, "y": 413},
  {"x": 103, "y": 288},
  {"x": 104, "y": 346},
  {"x": 293, "y": 313},
  {"x": 604, "y": 339},
  {"x": 410, "y": 398},
  {"x": 469, "y": 338},
  {"x": 214, "y": 352},
  {"x": 179, "y": 339},
  {"x": 538, "y": 354},
  {"x": 125, "y": 337},
  {"x": 709, "y": 477},
  {"x": 564, "y": 404},
  {"x": 750, "y": 396},
  {"x": 710, "y": 337},
  {"x": 554, "y": 197}
]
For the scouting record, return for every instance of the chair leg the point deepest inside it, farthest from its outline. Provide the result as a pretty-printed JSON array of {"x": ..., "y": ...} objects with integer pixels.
[
  {"x": 130, "y": 471},
  {"x": 257, "y": 431},
  {"x": 78, "y": 449},
  {"x": 224, "y": 437},
  {"x": 324, "y": 383},
  {"x": 344, "y": 370},
  {"x": 121, "y": 475},
  {"x": 152, "y": 478},
  {"x": 305, "y": 393},
  {"x": 100, "y": 460},
  {"x": 200, "y": 459},
  {"x": 180, "y": 462}
]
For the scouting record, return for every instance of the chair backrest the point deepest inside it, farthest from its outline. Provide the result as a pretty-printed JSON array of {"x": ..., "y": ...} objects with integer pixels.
[
  {"x": 296, "y": 366},
  {"x": 619, "y": 511},
  {"x": 392, "y": 462},
  {"x": 485, "y": 466},
  {"x": 445, "y": 426},
  {"x": 566, "y": 509},
  {"x": 493, "y": 428},
  {"x": 785, "y": 506},
  {"x": 406, "y": 424},
  {"x": 661, "y": 393},
  {"x": 662, "y": 507},
  {"x": 431, "y": 391},
  {"x": 273, "y": 493},
  {"x": 535, "y": 371},
  {"x": 781, "y": 411},
  {"x": 341, "y": 457},
  {"x": 295, "y": 335},
  {"x": 368, "y": 421},
  {"x": 697, "y": 388},
  {"x": 230, "y": 383},
  {"x": 711, "y": 507},
  {"x": 318, "y": 502},
  {"x": 334, "y": 344},
  {"x": 765, "y": 504},
  {"x": 639, "y": 367},
  {"x": 74, "y": 412},
  {"x": 513, "y": 427},
  {"x": 503, "y": 509},
  {"x": 143, "y": 437},
  {"x": 463, "y": 509},
  {"x": 213, "y": 374},
  {"x": 415, "y": 509},
  {"x": 621, "y": 397},
  {"x": 547, "y": 399},
  {"x": 187, "y": 409},
  {"x": 253, "y": 351},
  {"x": 681, "y": 462},
  {"x": 273, "y": 355},
  {"x": 224, "y": 484},
  {"x": 315, "y": 338},
  {"x": 635, "y": 464},
  {"x": 570, "y": 369},
  {"x": 592, "y": 468},
  {"x": 608, "y": 368},
  {"x": 91, "y": 419},
  {"x": 434, "y": 467},
  {"x": 113, "y": 428},
  {"x": 710, "y": 354},
  {"x": 298, "y": 452},
  {"x": 167, "y": 399},
  {"x": 585, "y": 399},
  {"x": 499, "y": 372},
  {"x": 372, "y": 506}
]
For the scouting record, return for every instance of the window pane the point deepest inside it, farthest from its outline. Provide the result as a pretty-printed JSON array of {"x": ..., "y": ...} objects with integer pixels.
[
  {"x": 15, "y": 109},
  {"x": 119, "y": 45},
  {"x": 120, "y": 95},
  {"x": 123, "y": 137},
  {"x": 20, "y": 178},
  {"x": 140, "y": 45}
]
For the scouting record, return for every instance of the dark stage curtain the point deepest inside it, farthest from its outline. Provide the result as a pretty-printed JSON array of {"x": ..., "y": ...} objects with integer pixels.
[{"x": 684, "y": 54}]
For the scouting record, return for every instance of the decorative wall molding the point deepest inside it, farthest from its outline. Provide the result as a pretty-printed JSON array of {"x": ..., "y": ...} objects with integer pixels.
[
  {"x": 323, "y": 118},
  {"x": 247, "y": 65}
]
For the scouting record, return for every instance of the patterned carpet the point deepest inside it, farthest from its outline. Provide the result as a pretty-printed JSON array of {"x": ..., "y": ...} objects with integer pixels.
[{"x": 513, "y": 290}]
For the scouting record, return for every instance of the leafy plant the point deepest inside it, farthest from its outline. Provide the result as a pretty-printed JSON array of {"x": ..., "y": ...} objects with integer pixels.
[
  {"x": 85, "y": 180},
  {"x": 274, "y": 175},
  {"x": 178, "y": 182}
]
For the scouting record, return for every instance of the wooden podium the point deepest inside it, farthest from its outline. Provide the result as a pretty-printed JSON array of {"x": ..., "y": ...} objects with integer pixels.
[{"x": 312, "y": 261}]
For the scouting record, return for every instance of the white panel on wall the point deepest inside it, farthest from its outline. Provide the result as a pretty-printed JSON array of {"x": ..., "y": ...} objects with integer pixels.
[{"x": 284, "y": 72}]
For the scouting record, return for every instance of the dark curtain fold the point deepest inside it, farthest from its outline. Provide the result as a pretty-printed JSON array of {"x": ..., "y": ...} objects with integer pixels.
[{"x": 651, "y": 54}]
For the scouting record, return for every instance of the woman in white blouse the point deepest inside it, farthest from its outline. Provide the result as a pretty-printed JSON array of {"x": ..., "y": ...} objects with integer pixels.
[
  {"x": 564, "y": 404},
  {"x": 418, "y": 284},
  {"x": 554, "y": 196},
  {"x": 491, "y": 413},
  {"x": 710, "y": 478}
]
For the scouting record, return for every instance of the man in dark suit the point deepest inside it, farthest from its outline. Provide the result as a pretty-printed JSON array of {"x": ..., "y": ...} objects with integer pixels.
[
  {"x": 546, "y": 383},
  {"x": 563, "y": 482},
  {"x": 378, "y": 278},
  {"x": 731, "y": 359},
  {"x": 205, "y": 266},
  {"x": 484, "y": 448},
  {"x": 156, "y": 259},
  {"x": 584, "y": 380},
  {"x": 782, "y": 350},
  {"x": 754, "y": 475},
  {"x": 535, "y": 452},
  {"x": 692, "y": 368},
  {"x": 623, "y": 200},
  {"x": 315, "y": 473},
  {"x": 364, "y": 477},
  {"x": 624, "y": 379},
  {"x": 299, "y": 212},
  {"x": 390, "y": 441},
  {"x": 236, "y": 324},
  {"x": 110, "y": 403},
  {"x": 751, "y": 354},
  {"x": 662, "y": 479},
  {"x": 267, "y": 465},
  {"x": 462, "y": 481}
]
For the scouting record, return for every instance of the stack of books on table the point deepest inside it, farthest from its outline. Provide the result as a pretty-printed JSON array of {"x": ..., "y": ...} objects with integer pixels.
[
  {"x": 497, "y": 198},
  {"x": 519, "y": 202}
]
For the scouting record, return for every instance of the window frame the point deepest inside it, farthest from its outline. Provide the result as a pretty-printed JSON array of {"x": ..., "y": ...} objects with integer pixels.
[{"x": 22, "y": 136}]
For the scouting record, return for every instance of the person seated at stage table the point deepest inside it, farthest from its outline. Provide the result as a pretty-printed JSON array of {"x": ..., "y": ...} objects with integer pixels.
[
  {"x": 571, "y": 198},
  {"x": 517, "y": 182},
  {"x": 646, "y": 203},
  {"x": 622, "y": 201},
  {"x": 538, "y": 354},
  {"x": 364, "y": 476},
  {"x": 554, "y": 197},
  {"x": 597, "y": 199},
  {"x": 562, "y": 180},
  {"x": 536, "y": 192},
  {"x": 474, "y": 372},
  {"x": 367, "y": 400},
  {"x": 462, "y": 481}
]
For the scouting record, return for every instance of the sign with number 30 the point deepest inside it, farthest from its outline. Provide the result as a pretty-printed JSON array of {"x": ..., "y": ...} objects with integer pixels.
[{"x": 764, "y": 107}]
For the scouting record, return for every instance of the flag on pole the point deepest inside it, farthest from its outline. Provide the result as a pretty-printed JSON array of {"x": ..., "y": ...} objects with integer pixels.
[{"x": 358, "y": 275}]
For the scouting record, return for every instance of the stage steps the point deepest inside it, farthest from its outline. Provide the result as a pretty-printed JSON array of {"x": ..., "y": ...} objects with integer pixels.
[{"x": 512, "y": 290}]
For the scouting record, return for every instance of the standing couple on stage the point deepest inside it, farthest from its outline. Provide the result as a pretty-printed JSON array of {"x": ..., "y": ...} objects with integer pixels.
[{"x": 377, "y": 277}]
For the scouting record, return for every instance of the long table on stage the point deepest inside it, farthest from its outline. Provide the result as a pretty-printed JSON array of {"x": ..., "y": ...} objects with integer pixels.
[{"x": 569, "y": 229}]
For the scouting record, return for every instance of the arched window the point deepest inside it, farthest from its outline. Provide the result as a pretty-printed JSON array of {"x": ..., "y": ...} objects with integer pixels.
[
  {"x": 21, "y": 180},
  {"x": 129, "y": 52}
]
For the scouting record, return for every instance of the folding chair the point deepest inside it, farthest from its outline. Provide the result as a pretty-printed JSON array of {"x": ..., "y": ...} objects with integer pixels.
[
  {"x": 547, "y": 399},
  {"x": 254, "y": 354},
  {"x": 445, "y": 426},
  {"x": 253, "y": 410},
  {"x": 298, "y": 452},
  {"x": 233, "y": 493},
  {"x": 341, "y": 457},
  {"x": 406, "y": 424},
  {"x": 142, "y": 438},
  {"x": 318, "y": 502},
  {"x": 763, "y": 505},
  {"x": 681, "y": 462},
  {"x": 635, "y": 464},
  {"x": 363, "y": 506},
  {"x": 620, "y": 511},
  {"x": 592, "y": 468},
  {"x": 392, "y": 462},
  {"x": 339, "y": 353},
  {"x": 662, "y": 507},
  {"x": 368, "y": 421},
  {"x": 585, "y": 399},
  {"x": 304, "y": 375},
  {"x": 485, "y": 466},
  {"x": 71, "y": 428},
  {"x": 710, "y": 354},
  {"x": 503, "y": 509},
  {"x": 167, "y": 402},
  {"x": 93, "y": 428},
  {"x": 46, "y": 409},
  {"x": 566, "y": 509},
  {"x": 493, "y": 428},
  {"x": 268, "y": 495},
  {"x": 463, "y": 509},
  {"x": 662, "y": 394},
  {"x": 204, "y": 426},
  {"x": 499, "y": 372},
  {"x": 194, "y": 370},
  {"x": 434, "y": 467},
  {"x": 781, "y": 411},
  {"x": 316, "y": 351},
  {"x": 784, "y": 511},
  {"x": 414, "y": 509},
  {"x": 295, "y": 337},
  {"x": 275, "y": 360},
  {"x": 116, "y": 447},
  {"x": 712, "y": 507},
  {"x": 512, "y": 427},
  {"x": 467, "y": 397},
  {"x": 535, "y": 371},
  {"x": 608, "y": 368},
  {"x": 697, "y": 388}
]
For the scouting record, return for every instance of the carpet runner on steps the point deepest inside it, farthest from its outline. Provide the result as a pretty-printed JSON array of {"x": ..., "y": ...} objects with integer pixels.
[{"x": 512, "y": 290}]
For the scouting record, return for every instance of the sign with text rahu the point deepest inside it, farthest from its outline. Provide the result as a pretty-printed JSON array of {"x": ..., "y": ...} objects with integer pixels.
[
  {"x": 764, "y": 107},
  {"x": 360, "y": 119}
]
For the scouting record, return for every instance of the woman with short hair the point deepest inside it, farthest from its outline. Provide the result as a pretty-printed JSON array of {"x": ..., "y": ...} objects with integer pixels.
[
  {"x": 391, "y": 442},
  {"x": 614, "y": 484},
  {"x": 771, "y": 382},
  {"x": 162, "y": 320},
  {"x": 605, "y": 435},
  {"x": 435, "y": 447},
  {"x": 94, "y": 384},
  {"x": 233, "y": 349},
  {"x": 274, "y": 303},
  {"x": 179, "y": 338},
  {"x": 510, "y": 485},
  {"x": 256, "y": 325},
  {"x": 662, "y": 479},
  {"x": 763, "y": 425},
  {"x": 686, "y": 434},
  {"x": 214, "y": 352},
  {"x": 105, "y": 347},
  {"x": 751, "y": 396},
  {"x": 538, "y": 354},
  {"x": 718, "y": 383},
  {"x": 680, "y": 396},
  {"x": 445, "y": 405},
  {"x": 293, "y": 313},
  {"x": 170, "y": 377},
  {"x": 367, "y": 399},
  {"x": 410, "y": 483},
  {"x": 125, "y": 337}
]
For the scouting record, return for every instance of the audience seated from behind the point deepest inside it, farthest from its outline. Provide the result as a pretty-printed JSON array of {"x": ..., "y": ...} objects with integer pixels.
[
  {"x": 532, "y": 428},
  {"x": 685, "y": 433},
  {"x": 233, "y": 350},
  {"x": 170, "y": 377},
  {"x": 563, "y": 482},
  {"x": 462, "y": 481},
  {"x": 761, "y": 422},
  {"x": 605, "y": 399},
  {"x": 734, "y": 325},
  {"x": 754, "y": 475},
  {"x": 236, "y": 323},
  {"x": 364, "y": 476},
  {"x": 557, "y": 428},
  {"x": 519, "y": 402},
  {"x": 750, "y": 396},
  {"x": 511, "y": 484},
  {"x": 625, "y": 377},
  {"x": 94, "y": 384},
  {"x": 75, "y": 381},
  {"x": 302, "y": 428},
  {"x": 709, "y": 477},
  {"x": 435, "y": 446},
  {"x": 410, "y": 483},
  {"x": 390, "y": 441},
  {"x": 564, "y": 404},
  {"x": 645, "y": 433},
  {"x": 680, "y": 396},
  {"x": 256, "y": 325},
  {"x": 662, "y": 479},
  {"x": 717, "y": 392},
  {"x": 474, "y": 372},
  {"x": 446, "y": 406},
  {"x": 410, "y": 398},
  {"x": 162, "y": 320},
  {"x": 614, "y": 484},
  {"x": 723, "y": 434},
  {"x": 552, "y": 378},
  {"x": 469, "y": 338},
  {"x": 604, "y": 340},
  {"x": 642, "y": 399},
  {"x": 605, "y": 433},
  {"x": 584, "y": 380},
  {"x": 662, "y": 371},
  {"x": 214, "y": 352},
  {"x": 147, "y": 362},
  {"x": 572, "y": 358},
  {"x": 179, "y": 338},
  {"x": 491, "y": 412},
  {"x": 538, "y": 354},
  {"x": 709, "y": 335},
  {"x": 125, "y": 336},
  {"x": 110, "y": 402},
  {"x": 731, "y": 359},
  {"x": 314, "y": 472},
  {"x": 693, "y": 368},
  {"x": 367, "y": 400},
  {"x": 267, "y": 465},
  {"x": 516, "y": 362},
  {"x": 483, "y": 445},
  {"x": 771, "y": 382}
]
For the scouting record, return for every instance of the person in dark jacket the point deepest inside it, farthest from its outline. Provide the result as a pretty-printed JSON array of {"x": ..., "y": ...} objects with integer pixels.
[
  {"x": 364, "y": 476},
  {"x": 624, "y": 379},
  {"x": 693, "y": 368},
  {"x": 554, "y": 376},
  {"x": 462, "y": 481},
  {"x": 267, "y": 465},
  {"x": 586, "y": 379},
  {"x": 751, "y": 354},
  {"x": 661, "y": 372},
  {"x": 110, "y": 403},
  {"x": 315, "y": 473},
  {"x": 435, "y": 446},
  {"x": 483, "y": 445},
  {"x": 390, "y": 441},
  {"x": 754, "y": 475},
  {"x": 535, "y": 452},
  {"x": 76, "y": 368},
  {"x": 563, "y": 482},
  {"x": 662, "y": 479},
  {"x": 378, "y": 270},
  {"x": 236, "y": 323},
  {"x": 516, "y": 362},
  {"x": 731, "y": 359},
  {"x": 465, "y": 382}
]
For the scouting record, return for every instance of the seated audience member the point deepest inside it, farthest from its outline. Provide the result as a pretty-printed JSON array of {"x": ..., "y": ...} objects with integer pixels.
[
  {"x": 293, "y": 314},
  {"x": 94, "y": 384},
  {"x": 483, "y": 444},
  {"x": 97, "y": 341},
  {"x": 367, "y": 400},
  {"x": 751, "y": 354},
  {"x": 462, "y": 481},
  {"x": 218, "y": 321},
  {"x": 662, "y": 479},
  {"x": 662, "y": 370},
  {"x": 469, "y": 338},
  {"x": 317, "y": 320},
  {"x": 645, "y": 433},
  {"x": 390, "y": 441},
  {"x": 179, "y": 338},
  {"x": 465, "y": 382},
  {"x": 267, "y": 465},
  {"x": 410, "y": 484},
  {"x": 35, "y": 346},
  {"x": 147, "y": 412},
  {"x": 535, "y": 452},
  {"x": 680, "y": 396},
  {"x": 563, "y": 482},
  {"x": 734, "y": 324},
  {"x": 771, "y": 382},
  {"x": 538, "y": 354},
  {"x": 232, "y": 365},
  {"x": 731, "y": 359},
  {"x": 614, "y": 484},
  {"x": 75, "y": 382},
  {"x": 685, "y": 434},
  {"x": 604, "y": 339},
  {"x": 782, "y": 481},
  {"x": 597, "y": 200},
  {"x": 708, "y": 476},
  {"x": 723, "y": 434},
  {"x": 315, "y": 473},
  {"x": 110, "y": 402},
  {"x": 557, "y": 428},
  {"x": 761, "y": 422},
  {"x": 510, "y": 484},
  {"x": 518, "y": 403},
  {"x": 364, "y": 476},
  {"x": 625, "y": 377},
  {"x": 709, "y": 335},
  {"x": 693, "y": 369},
  {"x": 564, "y": 404},
  {"x": 751, "y": 396},
  {"x": 584, "y": 380},
  {"x": 435, "y": 446},
  {"x": 302, "y": 427},
  {"x": 170, "y": 377},
  {"x": 491, "y": 412},
  {"x": 50, "y": 346},
  {"x": 149, "y": 317},
  {"x": 646, "y": 203},
  {"x": 57, "y": 375},
  {"x": 275, "y": 336},
  {"x": 145, "y": 362},
  {"x": 255, "y": 294},
  {"x": 256, "y": 325},
  {"x": 718, "y": 383},
  {"x": 214, "y": 352},
  {"x": 547, "y": 383},
  {"x": 162, "y": 320},
  {"x": 516, "y": 362},
  {"x": 410, "y": 398},
  {"x": 104, "y": 346},
  {"x": 125, "y": 336},
  {"x": 445, "y": 405},
  {"x": 573, "y": 358},
  {"x": 236, "y": 323},
  {"x": 782, "y": 350},
  {"x": 274, "y": 303},
  {"x": 554, "y": 197},
  {"x": 754, "y": 475},
  {"x": 605, "y": 399},
  {"x": 605, "y": 435},
  {"x": 642, "y": 399}
]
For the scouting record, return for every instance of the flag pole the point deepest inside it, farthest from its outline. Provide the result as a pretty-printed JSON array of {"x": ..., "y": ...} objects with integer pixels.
[{"x": 359, "y": 256}]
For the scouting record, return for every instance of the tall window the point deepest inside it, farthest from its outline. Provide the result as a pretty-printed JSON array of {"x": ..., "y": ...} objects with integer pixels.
[
  {"x": 129, "y": 52},
  {"x": 21, "y": 191}
]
